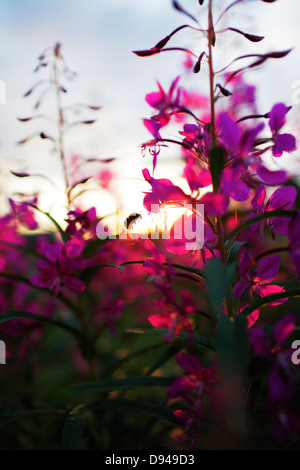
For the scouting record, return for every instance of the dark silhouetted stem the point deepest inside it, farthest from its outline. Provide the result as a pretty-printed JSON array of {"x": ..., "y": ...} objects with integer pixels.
[{"x": 60, "y": 122}]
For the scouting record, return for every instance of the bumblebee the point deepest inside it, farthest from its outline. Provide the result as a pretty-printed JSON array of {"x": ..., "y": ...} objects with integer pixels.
[{"x": 132, "y": 219}]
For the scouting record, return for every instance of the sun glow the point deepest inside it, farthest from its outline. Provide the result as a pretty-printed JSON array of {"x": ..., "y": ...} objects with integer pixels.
[{"x": 138, "y": 225}]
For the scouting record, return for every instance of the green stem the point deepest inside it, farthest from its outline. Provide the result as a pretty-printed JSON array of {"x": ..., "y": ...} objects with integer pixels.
[
  {"x": 60, "y": 122},
  {"x": 211, "y": 34},
  {"x": 211, "y": 41}
]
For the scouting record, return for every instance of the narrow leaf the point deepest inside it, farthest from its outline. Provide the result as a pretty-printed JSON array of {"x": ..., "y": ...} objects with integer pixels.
[
  {"x": 74, "y": 427},
  {"x": 208, "y": 343},
  {"x": 219, "y": 280},
  {"x": 14, "y": 315},
  {"x": 270, "y": 298},
  {"x": 113, "y": 384},
  {"x": 217, "y": 162},
  {"x": 77, "y": 419},
  {"x": 264, "y": 216}
]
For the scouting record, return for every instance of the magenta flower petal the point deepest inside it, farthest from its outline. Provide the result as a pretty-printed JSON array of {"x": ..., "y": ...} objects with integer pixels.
[
  {"x": 279, "y": 391},
  {"x": 153, "y": 127},
  {"x": 182, "y": 416},
  {"x": 272, "y": 177},
  {"x": 74, "y": 284},
  {"x": 154, "y": 99},
  {"x": 253, "y": 317},
  {"x": 196, "y": 176},
  {"x": 283, "y": 328},
  {"x": 281, "y": 225},
  {"x": 271, "y": 289},
  {"x": 164, "y": 190},
  {"x": 259, "y": 198},
  {"x": 284, "y": 143},
  {"x": 151, "y": 203},
  {"x": 282, "y": 198},
  {"x": 161, "y": 320},
  {"x": 268, "y": 267},
  {"x": 239, "y": 288},
  {"x": 189, "y": 362},
  {"x": 215, "y": 203},
  {"x": 230, "y": 133},
  {"x": 259, "y": 341},
  {"x": 277, "y": 117},
  {"x": 234, "y": 186},
  {"x": 181, "y": 387}
]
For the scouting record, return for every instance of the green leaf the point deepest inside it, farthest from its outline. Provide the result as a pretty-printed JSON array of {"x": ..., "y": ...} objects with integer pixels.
[
  {"x": 268, "y": 299},
  {"x": 92, "y": 247},
  {"x": 232, "y": 345},
  {"x": 259, "y": 218},
  {"x": 77, "y": 418},
  {"x": 23, "y": 248},
  {"x": 217, "y": 161},
  {"x": 208, "y": 343},
  {"x": 219, "y": 278},
  {"x": 94, "y": 269},
  {"x": 5, "y": 419},
  {"x": 74, "y": 427},
  {"x": 189, "y": 269},
  {"x": 168, "y": 354},
  {"x": 112, "y": 365},
  {"x": 63, "y": 234},
  {"x": 13, "y": 315},
  {"x": 113, "y": 384},
  {"x": 233, "y": 250},
  {"x": 233, "y": 357},
  {"x": 24, "y": 280}
]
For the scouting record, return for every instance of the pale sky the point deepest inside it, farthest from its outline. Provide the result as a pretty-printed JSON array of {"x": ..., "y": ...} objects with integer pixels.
[{"x": 97, "y": 38}]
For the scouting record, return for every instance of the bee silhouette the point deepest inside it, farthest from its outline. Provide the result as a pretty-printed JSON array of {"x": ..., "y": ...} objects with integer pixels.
[{"x": 132, "y": 219}]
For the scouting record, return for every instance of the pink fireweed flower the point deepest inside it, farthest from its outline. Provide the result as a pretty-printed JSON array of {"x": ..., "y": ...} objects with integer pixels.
[
  {"x": 176, "y": 316},
  {"x": 181, "y": 241},
  {"x": 80, "y": 223},
  {"x": 165, "y": 192},
  {"x": 157, "y": 265},
  {"x": 258, "y": 281},
  {"x": 105, "y": 177},
  {"x": 238, "y": 146},
  {"x": 282, "y": 198},
  {"x": 281, "y": 379},
  {"x": 152, "y": 145},
  {"x": 196, "y": 378},
  {"x": 23, "y": 213},
  {"x": 260, "y": 341},
  {"x": 176, "y": 309},
  {"x": 243, "y": 95},
  {"x": 110, "y": 310},
  {"x": 282, "y": 142},
  {"x": 197, "y": 137},
  {"x": 59, "y": 270},
  {"x": 197, "y": 381},
  {"x": 165, "y": 102},
  {"x": 194, "y": 100},
  {"x": 196, "y": 176}
]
